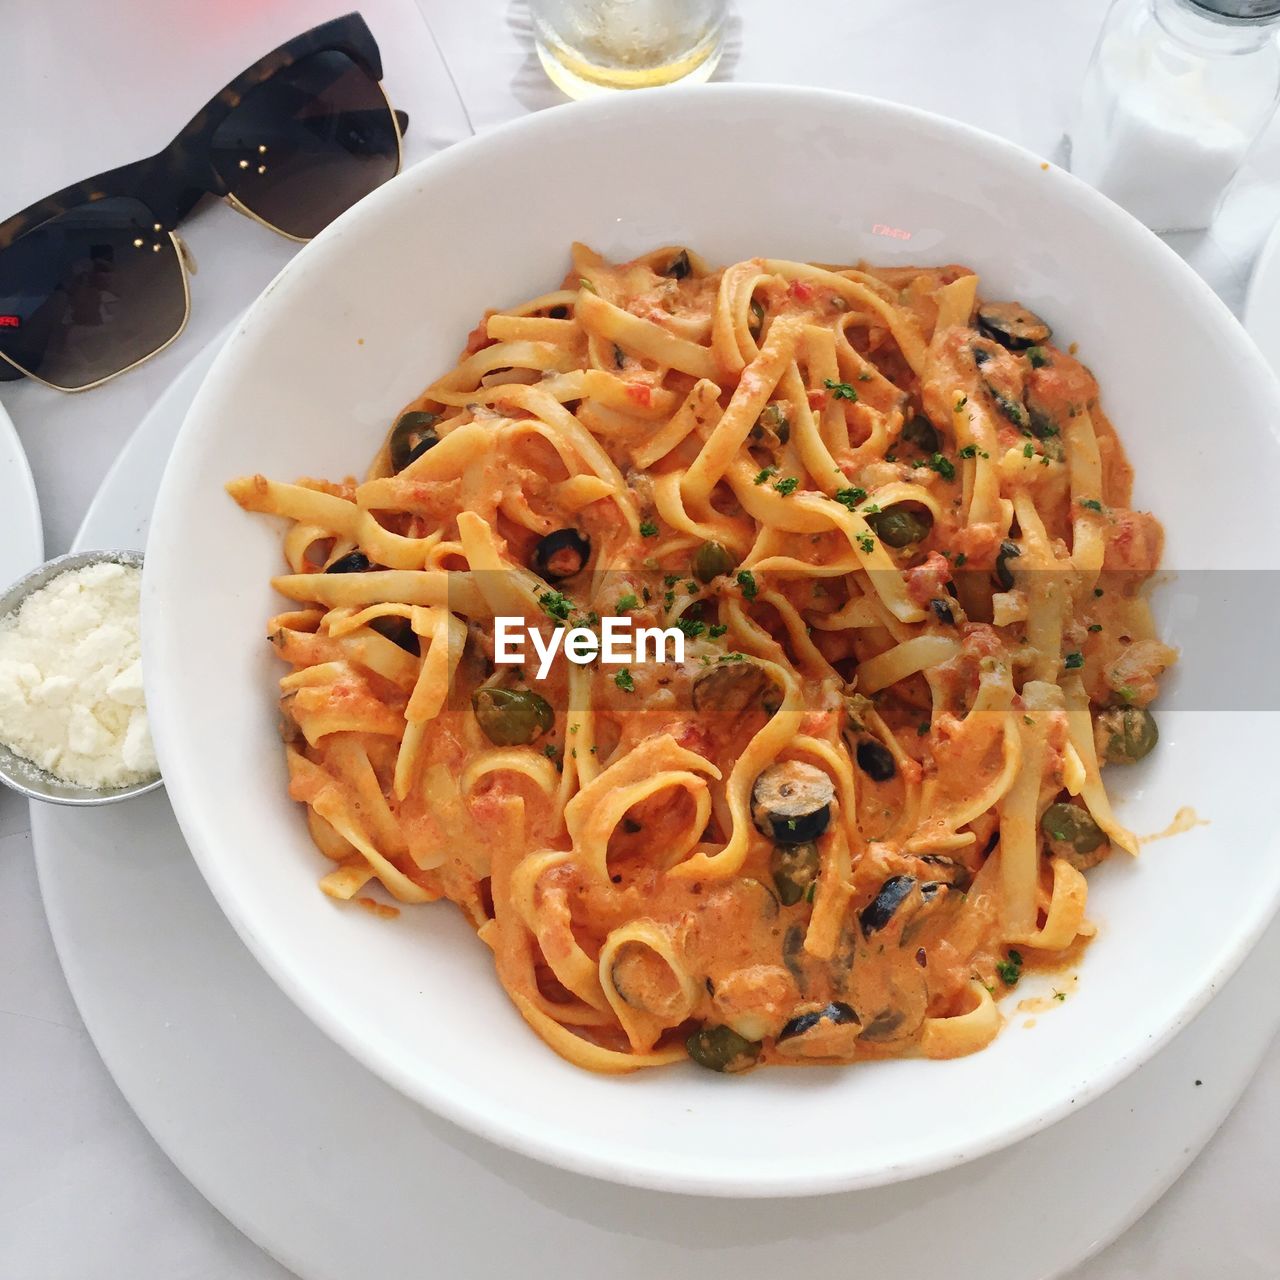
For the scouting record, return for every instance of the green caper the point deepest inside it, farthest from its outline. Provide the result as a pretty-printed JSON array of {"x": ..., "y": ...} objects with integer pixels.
[
  {"x": 900, "y": 526},
  {"x": 712, "y": 560},
  {"x": 1071, "y": 824},
  {"x": 722, "y": 1049},
  {"x": 1129, "y": 733},
  {"x": 510, "y": 717},
  {"x": 923, "y": 434},
  {"x": 412, "y": 436},
  {"x": 772, "y": 427},
  {"x": 794, "y": 868}
]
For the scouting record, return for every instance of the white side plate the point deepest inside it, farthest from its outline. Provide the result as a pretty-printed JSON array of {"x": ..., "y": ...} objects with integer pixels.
[
  {"x": 22, "y": 546},
  {"x": 340, "y": 1177}
]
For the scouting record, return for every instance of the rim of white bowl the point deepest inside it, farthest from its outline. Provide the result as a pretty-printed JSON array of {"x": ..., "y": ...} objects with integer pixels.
[{"x": 638, "y": 1171}]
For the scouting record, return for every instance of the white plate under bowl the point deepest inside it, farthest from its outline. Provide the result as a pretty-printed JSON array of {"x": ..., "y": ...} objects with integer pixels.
[
  {"x": 22, "y": 544},
  {"x": 266, "y": 1116},
  {"x": 377, "y": 305},
  {"x": 1262, "y": 303}
]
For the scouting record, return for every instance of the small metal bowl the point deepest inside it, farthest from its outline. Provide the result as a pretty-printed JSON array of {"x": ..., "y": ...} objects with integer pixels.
[{"x": 19, "y": 773}]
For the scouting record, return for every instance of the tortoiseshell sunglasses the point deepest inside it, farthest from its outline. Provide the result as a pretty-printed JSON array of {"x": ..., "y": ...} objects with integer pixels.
[{"x": 93, "y": 280}]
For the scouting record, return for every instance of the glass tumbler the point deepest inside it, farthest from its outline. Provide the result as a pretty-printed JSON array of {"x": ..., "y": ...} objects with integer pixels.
[{"x": 590, "y": 46}]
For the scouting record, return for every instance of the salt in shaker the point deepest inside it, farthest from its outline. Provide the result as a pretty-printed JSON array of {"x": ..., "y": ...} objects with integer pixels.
[{"x": 1176, "y": 94}]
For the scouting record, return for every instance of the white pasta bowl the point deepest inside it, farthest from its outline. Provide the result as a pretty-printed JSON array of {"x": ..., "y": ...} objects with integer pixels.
[{"x": 380, "y": 303}]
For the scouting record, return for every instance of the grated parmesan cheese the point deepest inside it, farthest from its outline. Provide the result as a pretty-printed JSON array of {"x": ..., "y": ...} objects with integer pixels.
[{"x": 71, "y": 696}]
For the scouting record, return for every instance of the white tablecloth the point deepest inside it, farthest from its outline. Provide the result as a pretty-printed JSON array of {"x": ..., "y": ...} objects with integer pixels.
[{"x": 86, "y": 84}]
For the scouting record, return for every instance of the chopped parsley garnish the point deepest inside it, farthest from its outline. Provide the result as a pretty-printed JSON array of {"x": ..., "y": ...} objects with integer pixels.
[
  {"x": 969, "y": 451},
  {"x": 849, "y": 497},
  {"x": 943, "y": 466},
  {"x": 1010, "y": 970},
  {"x": 960, "y": 404},
  {"x": 840, "y": 390},
  {"x": 1059, "y": 995},
  {"x": 556, "y": 605},
  {"x": 864, "y": 376},
  {"x": 765, "y": 474},
  {"x": 624, "y": 681},
  {"x": 1028, "y": 450},
  {"x": 867, "y": 543},
  {"x": 1037, "y": 357},
  {"x": 1095, "y": 626},
  {"x": 733, "y": 657},
  {"x": 922, "y": 729},
  {"x": 961, "y": 559},
  {"x": 627, "y": 602},
  {"x": 550, "y": 751},
  {"x": 648, "y": 529},
  {"x": 787, "y": 485},
  {"x": 716, "y": 630},
  {"x": 747, "y": 581},
  {"x": 691, "y": 627},
  {"x": 1092, "y": 503},
  {"x": 1073, "y": 661}
]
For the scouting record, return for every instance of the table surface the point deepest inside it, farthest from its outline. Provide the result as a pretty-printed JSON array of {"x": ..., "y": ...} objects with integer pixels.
[{"x": 85, "y": 1191}]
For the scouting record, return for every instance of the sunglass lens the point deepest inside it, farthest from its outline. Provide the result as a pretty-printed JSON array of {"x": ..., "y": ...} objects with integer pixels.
[
  {"x": 308, "y": 143},
  {"x": 89, "y": 293}
]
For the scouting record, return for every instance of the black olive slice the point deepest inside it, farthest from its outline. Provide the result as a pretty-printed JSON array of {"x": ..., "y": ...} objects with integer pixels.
[
  {"x": 413, "y": 434},
  {"x": 561, "y": 554},
  {"x": 948, "y": 870},
  {"x": 679, "y": 266},
  {"x": 1004, "y": 575},
  {"x": 791, "y": 802},
  {"x": 893, "y": 893},
  {"x": 399, "y": 631},
  {"x": 1012, "y": 325},
  {"x": 836, "y": 1012},
  {"x": 875, "y": 760},
  {"x": 920, "y": 432},
  {"x": 352, "y": 562}
]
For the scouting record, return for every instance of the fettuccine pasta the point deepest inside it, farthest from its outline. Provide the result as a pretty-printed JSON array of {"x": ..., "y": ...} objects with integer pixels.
[{"x": 891, "y": 523}]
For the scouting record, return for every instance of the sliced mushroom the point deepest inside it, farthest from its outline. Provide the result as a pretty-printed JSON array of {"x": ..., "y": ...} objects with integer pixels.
[
  {"x": 791, "y": 802},
  {"x": 733, "y": 688},
  {"x": 1012, "y": 325},
  {"x": 561, "y": 554}
]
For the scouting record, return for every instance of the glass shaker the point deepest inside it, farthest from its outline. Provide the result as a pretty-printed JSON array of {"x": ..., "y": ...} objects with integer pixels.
[{"x": 1176, "y": 94}]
